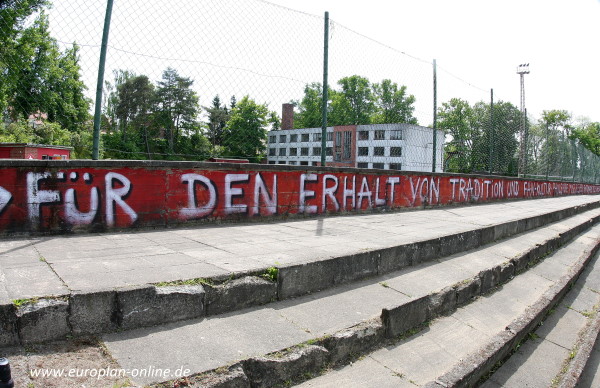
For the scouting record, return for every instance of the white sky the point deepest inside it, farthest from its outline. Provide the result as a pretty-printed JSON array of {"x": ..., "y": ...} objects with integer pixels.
[
  {"x": 483, "y": 42},
  {"x": 250, "y": 47}
]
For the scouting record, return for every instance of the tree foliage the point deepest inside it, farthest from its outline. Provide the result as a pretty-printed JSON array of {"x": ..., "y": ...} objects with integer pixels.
[
  {"x": 42, "y": 95},
  {"x": 393, "y": 105},
  {"x": 310, "y": 107},
  {"x": 148, "y": 121},
  {"x": 13, "y": 14},
  {"x": 588, "y": 135},
  {"x": 218, "y": 115},
  {"x": 356, "y": 102},
  {"x": 479, "y": 138},
  {"x": 245, "y": 134}
]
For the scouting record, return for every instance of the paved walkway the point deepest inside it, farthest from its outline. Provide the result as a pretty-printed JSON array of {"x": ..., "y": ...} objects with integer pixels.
[{"x": 58, "y": 265}]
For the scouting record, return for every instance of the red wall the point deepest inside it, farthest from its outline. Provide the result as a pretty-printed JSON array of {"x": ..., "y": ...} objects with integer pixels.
[
  {"x": 63, "y": 196},
  {"x": 25, "y": 152},
  {"x": 51, "y": 152}
]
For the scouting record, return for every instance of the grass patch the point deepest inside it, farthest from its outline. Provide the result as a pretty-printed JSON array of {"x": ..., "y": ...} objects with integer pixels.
[
  {"x": 23, "y": 302},
  {"x": 270, "y": 274}
]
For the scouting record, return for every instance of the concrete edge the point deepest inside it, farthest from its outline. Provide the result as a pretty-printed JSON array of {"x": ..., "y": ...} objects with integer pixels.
[
  {"x": 469, "y": 370},
  {"x": 348, "y": 344},
  {"x": 584, "y": 346},
  {"x": 103, "y": 311},
  {"x": 305, "y": 278}
]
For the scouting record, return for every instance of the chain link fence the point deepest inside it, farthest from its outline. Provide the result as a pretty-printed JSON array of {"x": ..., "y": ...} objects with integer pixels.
[{"x": 212, "y": 79}]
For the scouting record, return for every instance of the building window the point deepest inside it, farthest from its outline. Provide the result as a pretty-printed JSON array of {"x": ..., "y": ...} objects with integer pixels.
[
  {"x": 395, "y": 151},
  {"x": 395, "y": 166},
  {"x": 272, "y": 139},
  {"x": 282, "y": 152},
  {"x": 272, "y": 151},
  {"x": 363, "y": 151},
  {"x": 304, "y": 163},
  {"x": 317, "y": 136},
  {"x": 292, "y": 162},
  {"x": 293, "y": 138},
  {"x": 316, "y": 151},
  {"x": 363, "y": 165},
  {"x": 282, "y": 138},
  {"x": 329, "y": 136},
  {"x": 396, "y": 134},
  {"x": 281, "y": 162},
  {"x": 293, "y": 151},
  {"x": 271, "y": 162},
  {"x": 328, "y": 151},
  {"x": 305, "y": 137},
  {"x": 378, "y": 165},
  {"x": 304, "y": 151},
  {"x": 363, "y": 135},
  {"x": 347, "y": 144},
  {"x": 379, "y": 135},
  {"x": 379, "y": 151}
]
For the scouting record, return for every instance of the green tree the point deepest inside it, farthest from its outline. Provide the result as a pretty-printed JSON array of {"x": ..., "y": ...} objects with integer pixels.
[
  {"x": 494, "y": 141},
  {"x": 310, "y": 107},
  {"x": 48, "y": 81},
  {"x": 456, "y": 117},
  {"x": 246, "y": 131},
  {"x": 178, "y": 106},
  {"x": 135, "y": 109},
  {"x": 218, "y": 115},
  {"x": 588, "y": 134},
  {"x": 36, "y": 68},
  {"x": 354, "y": 103},
  {"x": 111, "y": 99},
  {"x": 557, "y": 152},
  {"x": 393, "y": 105},
  {"x": 72, "y": 108},
  {"x": 13, "y": 14}
]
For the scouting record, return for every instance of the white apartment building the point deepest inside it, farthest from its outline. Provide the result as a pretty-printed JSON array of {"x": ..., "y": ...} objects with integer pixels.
[{"x": 404, "y": 147}]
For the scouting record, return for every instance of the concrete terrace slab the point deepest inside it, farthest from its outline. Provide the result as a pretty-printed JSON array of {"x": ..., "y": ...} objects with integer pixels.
[
  {"x": 205, "y": 344},
  {"x": 327, "y": 312},
  {"x": 119, "y": 259},
  {"x": 366, "y": 374},
  {"x": 427, "y": 355},
  {"x": 542, "y": 358}
]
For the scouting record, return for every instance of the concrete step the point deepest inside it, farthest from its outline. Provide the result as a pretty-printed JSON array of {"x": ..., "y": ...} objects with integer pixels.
[
  {"x": 590, "y": 377},
  {"x": 557, "y": 352},
  {"x": 459, "y": 349},
  {"x": 71, "y": 291},
  {"x": 308, "y": 333}
]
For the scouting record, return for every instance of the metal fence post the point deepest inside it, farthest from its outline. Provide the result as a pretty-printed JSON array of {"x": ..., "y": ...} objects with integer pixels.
[
  {"x": 491, "y": 135},
  {"x": 434, "y": 115},
  {"x": 325, "y": 91},
  {"x": 100, "y": 85}
]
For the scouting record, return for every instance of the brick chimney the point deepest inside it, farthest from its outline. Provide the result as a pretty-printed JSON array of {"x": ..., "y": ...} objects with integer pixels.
[{"x": 287, "y": 116}]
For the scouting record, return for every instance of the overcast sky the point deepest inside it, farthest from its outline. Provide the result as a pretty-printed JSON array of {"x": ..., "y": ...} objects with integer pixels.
[
  {"x": 239, "y": 47},
  {"x": 483, "y": 42}
]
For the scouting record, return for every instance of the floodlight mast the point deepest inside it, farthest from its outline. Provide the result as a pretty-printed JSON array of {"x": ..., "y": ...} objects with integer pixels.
[{"x": 523, "y": 69}]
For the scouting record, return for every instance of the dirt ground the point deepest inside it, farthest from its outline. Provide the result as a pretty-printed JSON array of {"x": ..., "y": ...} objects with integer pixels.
[{"x": 84, "y": 359}]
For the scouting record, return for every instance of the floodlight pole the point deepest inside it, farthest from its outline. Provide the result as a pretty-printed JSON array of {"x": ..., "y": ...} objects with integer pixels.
[{"x": 522, "y": 70}]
